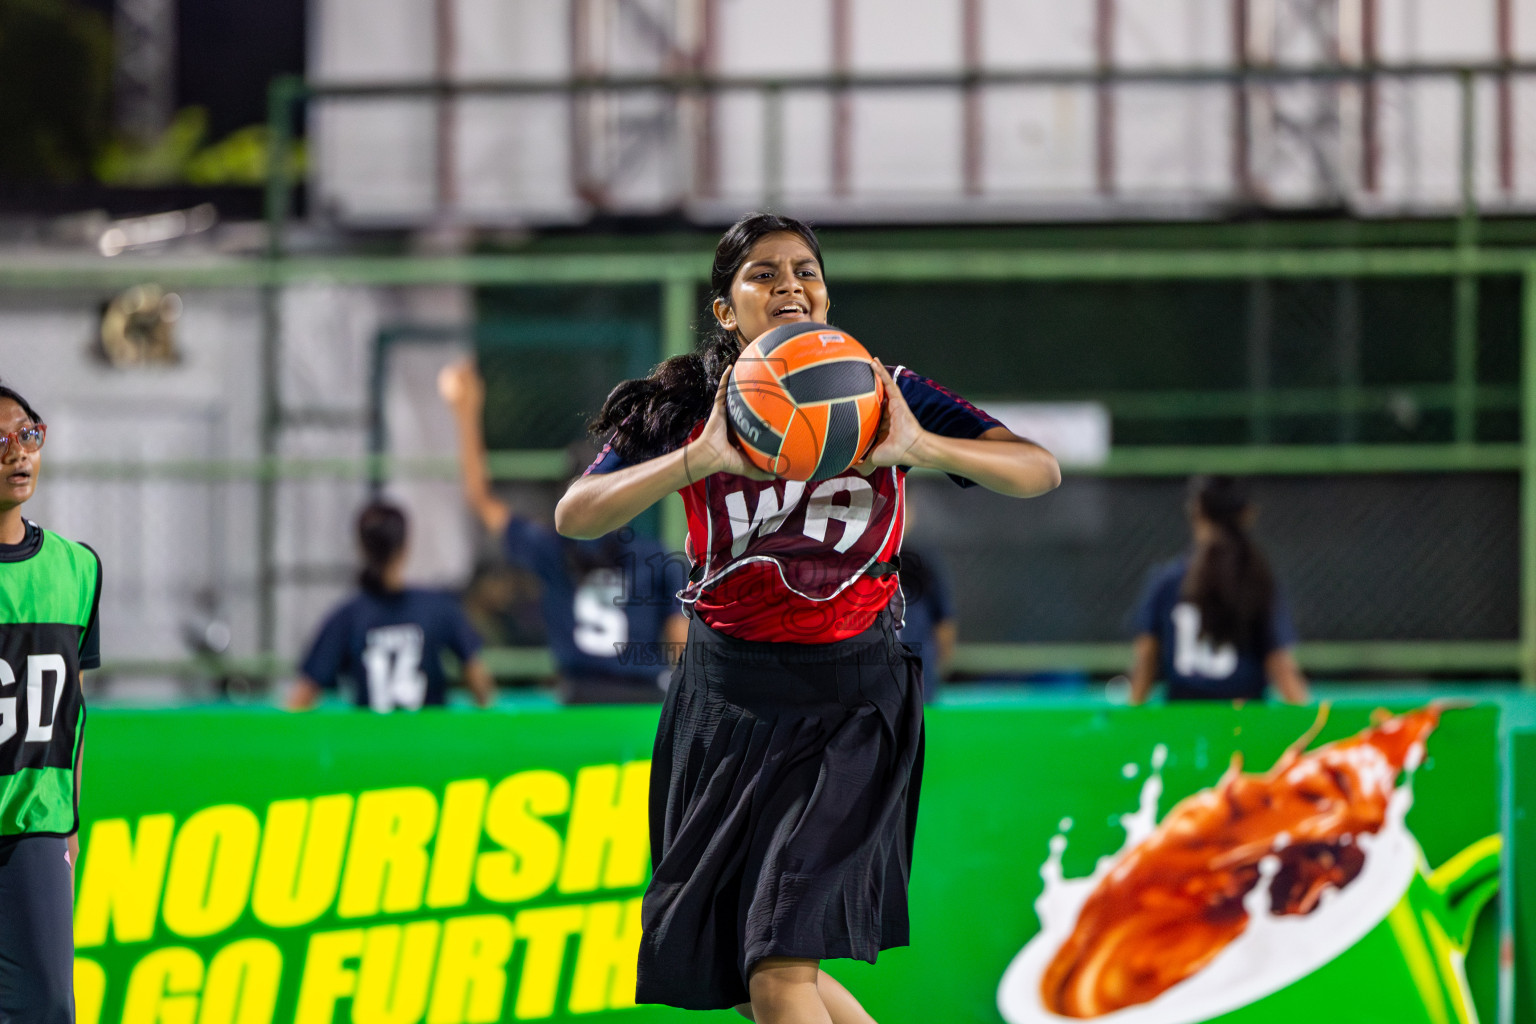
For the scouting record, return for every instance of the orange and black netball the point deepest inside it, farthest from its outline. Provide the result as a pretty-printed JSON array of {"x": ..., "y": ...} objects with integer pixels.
[{"x": 804, "y": 402}]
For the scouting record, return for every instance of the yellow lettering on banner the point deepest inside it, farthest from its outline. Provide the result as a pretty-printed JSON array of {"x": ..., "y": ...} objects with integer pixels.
[
  {"x": 608, "y": 823},
  {"x": 531, "y": 846},
  {"x": 458, "y": 842},
  {"x": 211, "y": 867},
  {"x": 300, "y": 865},
  {"x": 396, "y": 968},
  {"x": 327, "y": 977},
  {"x": 163, "y": 988},
  {"x": 606, "y": 957},
  {"x": 242, "y": 984},
  {"x": 471, "y": 982},
  {"x": 90, "y": 991},
  {"x": 547, "y": 931},
  {"x": 387, "y": 859},
  {"x": 121, "y": 879}
]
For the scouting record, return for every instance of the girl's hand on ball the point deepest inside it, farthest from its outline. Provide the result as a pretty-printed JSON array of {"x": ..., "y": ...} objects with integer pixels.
[
  {"x": 713, "y": 451},
  {"x": 899, "y": 438}
]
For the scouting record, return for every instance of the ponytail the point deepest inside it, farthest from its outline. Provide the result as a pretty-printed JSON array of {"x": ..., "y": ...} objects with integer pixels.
[
  {"x": 1229, "y": 579},
  {"x": 381, "y": 531},
  {"x": 653, "y": 415},
  {"x": 650, "y": 416}
]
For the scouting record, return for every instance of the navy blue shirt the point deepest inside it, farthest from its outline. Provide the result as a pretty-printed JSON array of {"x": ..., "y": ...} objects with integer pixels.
[
  {"x": 604, "y": 600},
  {"x": 926, "y": 592},
  {"x": 390, "y": 646},
  {"x": 1192, "y": 667}
]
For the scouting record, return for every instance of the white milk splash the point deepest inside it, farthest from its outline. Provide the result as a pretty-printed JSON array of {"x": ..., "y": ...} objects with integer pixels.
[{"x": 1271, "y": 953}]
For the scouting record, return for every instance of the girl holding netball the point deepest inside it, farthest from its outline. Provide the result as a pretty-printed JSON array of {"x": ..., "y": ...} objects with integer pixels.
[
  {"x": 789, "y": 754},
  {"x": 50, "y": 592},
  {"x": 1212, "y": 624}
]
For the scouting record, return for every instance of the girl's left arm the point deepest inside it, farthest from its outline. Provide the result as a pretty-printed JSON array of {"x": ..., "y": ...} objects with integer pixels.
[
  {"x": 998, "y": 460},
  {"x": 1286, "y": 676}
]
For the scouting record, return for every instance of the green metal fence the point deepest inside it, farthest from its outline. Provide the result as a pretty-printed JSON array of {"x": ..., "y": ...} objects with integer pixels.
[
  {"x": 1467, "y": 253},
  {"x": 678, "y": 278}
]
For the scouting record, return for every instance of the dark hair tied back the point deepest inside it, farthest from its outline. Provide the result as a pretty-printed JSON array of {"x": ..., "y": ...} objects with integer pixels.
[
  {"x": 653, "y": 415},
  {"x": 381, "y": 530},
  {"x": 6, "y": 391},
  {"x": 1221, "y": 499},
  {"x": 1229, "y": 579}
]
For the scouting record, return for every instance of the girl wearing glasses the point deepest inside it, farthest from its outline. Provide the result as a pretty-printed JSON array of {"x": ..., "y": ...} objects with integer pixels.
[
  {"x": 789, "y": 753},
  {"x": 50, "y": 591}
]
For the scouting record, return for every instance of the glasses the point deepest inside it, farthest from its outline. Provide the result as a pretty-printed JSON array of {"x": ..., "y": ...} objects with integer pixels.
[{"x": 28, "y": 439}]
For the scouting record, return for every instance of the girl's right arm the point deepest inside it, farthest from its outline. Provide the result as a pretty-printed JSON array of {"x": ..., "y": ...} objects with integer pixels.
[
  {"x": 600, "y": 503},
  {"x": 1143, "y": 668}
]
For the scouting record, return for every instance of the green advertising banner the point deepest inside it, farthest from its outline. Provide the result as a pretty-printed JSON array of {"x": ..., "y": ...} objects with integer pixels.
[
  {"x": 464, "y": 868},
  {"x": 1522, "y": 767}
]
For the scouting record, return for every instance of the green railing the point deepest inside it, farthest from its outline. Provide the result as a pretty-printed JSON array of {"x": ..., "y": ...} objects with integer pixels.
[{"x": 680, "y": 276}]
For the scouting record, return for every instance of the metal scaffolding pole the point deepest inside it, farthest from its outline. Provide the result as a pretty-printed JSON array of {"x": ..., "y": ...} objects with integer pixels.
[
  {"x": 1466, "y": 293},
  {"x": 1104, "y": 97},
  {"x": 145, "y": 32},
  {"x": 445, "y": 60}
]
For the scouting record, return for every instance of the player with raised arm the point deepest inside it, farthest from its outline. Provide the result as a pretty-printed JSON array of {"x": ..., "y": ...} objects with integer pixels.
[
  {"x": 610, "y": 608},
  {"x": 788, "y": 757}
]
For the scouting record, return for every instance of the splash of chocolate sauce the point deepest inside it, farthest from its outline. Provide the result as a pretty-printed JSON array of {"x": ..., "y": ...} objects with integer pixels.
[{"x": 1176, "y": 900}]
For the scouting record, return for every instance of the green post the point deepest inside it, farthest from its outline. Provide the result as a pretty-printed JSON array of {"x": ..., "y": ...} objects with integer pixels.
[
  {"x": 1528, "y": 486},
  {"x": 1260, "y": 325},
  {"x": 282, "y": 94},
  {"x": 1466, "y": 280},
  {"x": 1346, "y": 333},
  {"x": 678, "y": 295}
]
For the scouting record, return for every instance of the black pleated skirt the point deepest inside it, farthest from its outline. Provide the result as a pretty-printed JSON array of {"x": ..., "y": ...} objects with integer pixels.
[{"x": 784, "y": 791}]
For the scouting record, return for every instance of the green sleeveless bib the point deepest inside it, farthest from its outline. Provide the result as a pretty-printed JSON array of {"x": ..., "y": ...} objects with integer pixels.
[{"x": 46, "y": 603}]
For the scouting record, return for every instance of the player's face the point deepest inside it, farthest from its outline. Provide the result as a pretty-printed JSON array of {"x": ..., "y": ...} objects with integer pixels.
[
  {"x": 778, "y": 283},
  {"x": 18, "y": 469}
]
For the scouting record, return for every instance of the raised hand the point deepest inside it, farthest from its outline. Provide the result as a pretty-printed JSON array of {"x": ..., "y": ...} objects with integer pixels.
[{"x": 460, "y": 386}]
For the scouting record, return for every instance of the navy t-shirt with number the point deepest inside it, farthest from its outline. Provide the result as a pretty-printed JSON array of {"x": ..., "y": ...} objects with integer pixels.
[
  {"x": 390, "y": 646},
  {"x": 604, "y": 601},
  {"x": 1193, "y": 668}
]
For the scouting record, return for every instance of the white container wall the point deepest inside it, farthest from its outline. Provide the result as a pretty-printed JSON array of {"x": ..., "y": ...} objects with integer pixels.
[{"x": 993, "y": 152}]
